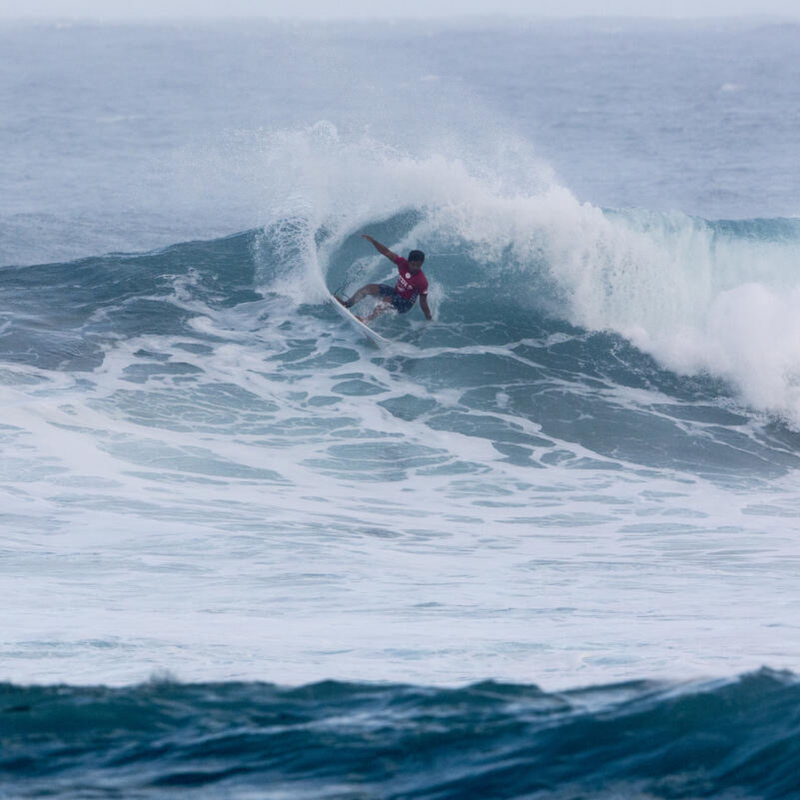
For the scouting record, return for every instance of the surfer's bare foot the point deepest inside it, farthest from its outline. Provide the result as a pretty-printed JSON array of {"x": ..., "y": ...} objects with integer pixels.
[{"x": 341, "y": 301}]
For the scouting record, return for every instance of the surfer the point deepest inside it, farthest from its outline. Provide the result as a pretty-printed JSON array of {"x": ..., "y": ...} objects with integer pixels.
[{"x": 411, "y": 284}]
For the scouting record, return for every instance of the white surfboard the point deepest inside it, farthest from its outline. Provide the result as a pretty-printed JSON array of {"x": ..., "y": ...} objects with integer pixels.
[{"x": 374, "y": 337}]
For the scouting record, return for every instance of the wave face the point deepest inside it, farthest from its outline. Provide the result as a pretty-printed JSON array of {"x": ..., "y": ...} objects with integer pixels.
[
  {"x": 338, "y": 740},
  {"x": 625, "y": 337}
]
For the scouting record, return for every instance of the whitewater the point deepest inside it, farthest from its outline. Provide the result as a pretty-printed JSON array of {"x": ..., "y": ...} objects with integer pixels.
[{"x": 543, "y": 545}]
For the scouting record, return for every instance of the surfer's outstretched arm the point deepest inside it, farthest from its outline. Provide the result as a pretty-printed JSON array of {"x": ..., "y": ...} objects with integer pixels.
[
  {"x": 382, "y": 249},
  {"x": 423, "y": 304}
]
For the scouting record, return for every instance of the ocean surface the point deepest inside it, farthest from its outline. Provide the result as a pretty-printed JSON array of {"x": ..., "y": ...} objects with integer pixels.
[{"x": 543, "y": 546}]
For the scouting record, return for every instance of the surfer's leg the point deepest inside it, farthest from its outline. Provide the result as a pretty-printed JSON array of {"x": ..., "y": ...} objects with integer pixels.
[{"x": 370, "y": 289}]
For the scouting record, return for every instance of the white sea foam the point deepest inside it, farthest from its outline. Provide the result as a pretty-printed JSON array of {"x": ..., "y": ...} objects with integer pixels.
[{"x": 151, "y": 513}]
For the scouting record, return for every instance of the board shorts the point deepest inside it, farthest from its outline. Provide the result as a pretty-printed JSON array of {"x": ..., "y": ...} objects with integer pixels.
[{"x": 400, "y": 303}]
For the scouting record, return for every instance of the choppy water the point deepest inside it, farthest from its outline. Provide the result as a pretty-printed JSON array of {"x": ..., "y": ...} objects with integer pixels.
[
  {"x": 582, "y": 472},
  {"x": 339, "y": 740}
]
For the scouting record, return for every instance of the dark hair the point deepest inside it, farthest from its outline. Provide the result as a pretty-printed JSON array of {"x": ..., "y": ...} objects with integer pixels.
[{"x": 416, "y": 255}]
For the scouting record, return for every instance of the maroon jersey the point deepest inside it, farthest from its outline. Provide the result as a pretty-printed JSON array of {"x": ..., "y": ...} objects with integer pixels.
[{"x": 409, "y": 284}]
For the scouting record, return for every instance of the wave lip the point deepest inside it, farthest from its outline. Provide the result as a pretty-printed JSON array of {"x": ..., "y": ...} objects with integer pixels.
[{"x": 720, "y": 739}]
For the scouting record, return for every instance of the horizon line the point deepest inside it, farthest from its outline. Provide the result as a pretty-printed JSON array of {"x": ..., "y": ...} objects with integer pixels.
[{"x": 390, "y": 18}]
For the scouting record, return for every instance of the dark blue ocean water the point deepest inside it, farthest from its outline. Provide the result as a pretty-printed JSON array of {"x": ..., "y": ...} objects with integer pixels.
[
  {"x": 338, "y": 740},
  {"x": 357, "y": 564}
]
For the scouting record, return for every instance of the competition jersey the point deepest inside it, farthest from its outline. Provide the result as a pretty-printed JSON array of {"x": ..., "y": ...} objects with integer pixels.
[{"x": 409, "y": 285}]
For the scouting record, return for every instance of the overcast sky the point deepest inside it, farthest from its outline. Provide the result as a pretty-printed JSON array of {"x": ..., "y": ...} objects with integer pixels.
[{"x": 371, "y": 9}]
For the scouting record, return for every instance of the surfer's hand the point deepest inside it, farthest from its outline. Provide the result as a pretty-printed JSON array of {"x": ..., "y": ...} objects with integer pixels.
[{"x": 367, "y": 237}]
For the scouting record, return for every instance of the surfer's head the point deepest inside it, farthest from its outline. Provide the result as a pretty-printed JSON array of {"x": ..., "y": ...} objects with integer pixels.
[{"x": 415, "y": 259}]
